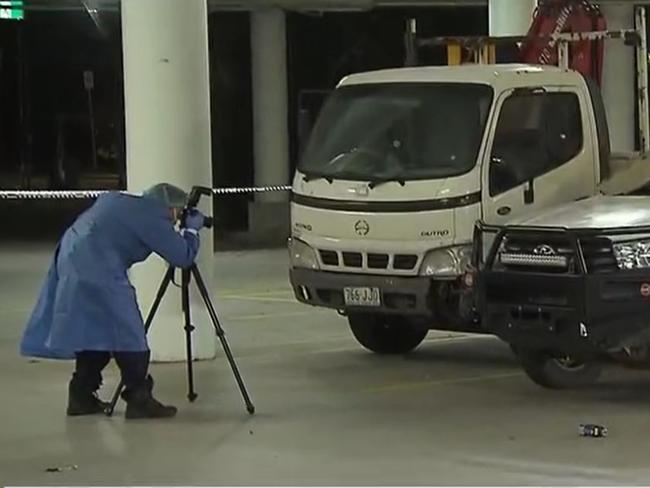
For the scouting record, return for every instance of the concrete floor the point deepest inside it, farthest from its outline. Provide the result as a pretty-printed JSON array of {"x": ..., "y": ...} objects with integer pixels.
[{"x": 458, "y": 411}]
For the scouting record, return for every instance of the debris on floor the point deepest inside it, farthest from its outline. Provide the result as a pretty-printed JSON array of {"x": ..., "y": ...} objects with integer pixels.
[
  {"x": 60, "y": 469},
  {"x": 592, "y": 430}
]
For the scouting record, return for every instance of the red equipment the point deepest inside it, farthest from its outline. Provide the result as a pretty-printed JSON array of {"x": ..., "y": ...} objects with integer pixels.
[{"x": 567, "y": 16}]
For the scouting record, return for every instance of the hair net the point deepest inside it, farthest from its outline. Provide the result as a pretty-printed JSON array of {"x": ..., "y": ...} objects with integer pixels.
[{"x": 170, "y": 195}]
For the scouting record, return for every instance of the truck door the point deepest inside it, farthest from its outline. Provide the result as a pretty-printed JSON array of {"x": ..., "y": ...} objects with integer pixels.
[{"x": 541, "y": 153}]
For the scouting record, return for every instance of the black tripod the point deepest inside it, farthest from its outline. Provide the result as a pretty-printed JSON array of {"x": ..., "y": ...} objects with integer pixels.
[{"x": 186, "y": 276}]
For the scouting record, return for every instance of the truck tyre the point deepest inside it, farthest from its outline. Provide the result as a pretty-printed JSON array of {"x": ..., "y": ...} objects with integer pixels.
[
  {"x": 558, "y": 373},
  {"x": 386, "y": 335}
]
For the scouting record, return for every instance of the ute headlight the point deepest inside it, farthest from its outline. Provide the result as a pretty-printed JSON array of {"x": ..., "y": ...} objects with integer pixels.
[
  {"x": 449, "y": 262},
  {"x": 632, "y": 254},
  {"x": 302, "y": 255}
]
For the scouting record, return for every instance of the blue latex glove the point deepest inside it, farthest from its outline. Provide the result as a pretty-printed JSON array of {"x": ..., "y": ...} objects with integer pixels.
[{"x": 194, "y": 220}]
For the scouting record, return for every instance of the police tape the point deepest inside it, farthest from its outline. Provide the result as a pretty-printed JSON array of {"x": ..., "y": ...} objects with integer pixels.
[{"x": 89, "y": 194}]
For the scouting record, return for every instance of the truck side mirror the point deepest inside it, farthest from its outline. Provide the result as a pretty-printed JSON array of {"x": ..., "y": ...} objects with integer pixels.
[{"x": 502, "y": 177}]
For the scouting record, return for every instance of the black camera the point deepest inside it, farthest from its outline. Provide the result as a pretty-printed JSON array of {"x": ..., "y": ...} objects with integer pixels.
[{"x": 193, "y": 200}]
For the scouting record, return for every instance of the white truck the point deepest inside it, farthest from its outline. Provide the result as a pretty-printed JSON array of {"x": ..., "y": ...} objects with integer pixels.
[{"x": 402, "y": 163}]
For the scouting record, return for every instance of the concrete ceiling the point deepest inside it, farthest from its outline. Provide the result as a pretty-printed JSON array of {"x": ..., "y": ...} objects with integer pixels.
[
  {"x": 325, "y": 5},
  {"x": 112, "y": 5},
  {"x": 329, "y": 5},
  {"x": 297, "y": 5}
]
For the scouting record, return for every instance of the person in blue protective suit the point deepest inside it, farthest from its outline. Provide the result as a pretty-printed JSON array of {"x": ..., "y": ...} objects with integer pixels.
[{"x": 87, "y": 308}]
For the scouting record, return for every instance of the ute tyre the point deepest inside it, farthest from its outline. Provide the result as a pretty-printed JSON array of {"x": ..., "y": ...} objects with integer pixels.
[
  {"x": 556, "y": 373},
  {"x": 386, "y": 335}
]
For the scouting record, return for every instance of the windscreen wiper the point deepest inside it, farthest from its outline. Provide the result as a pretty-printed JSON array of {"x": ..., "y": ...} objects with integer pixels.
[
  {"x": 307, "y": 177},
  {"x": 382, "y": 181}
]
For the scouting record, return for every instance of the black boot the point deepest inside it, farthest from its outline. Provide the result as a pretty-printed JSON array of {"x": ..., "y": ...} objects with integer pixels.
[
  {"x": 140, "y": 403},
  {"x": 82, "y": 398}
]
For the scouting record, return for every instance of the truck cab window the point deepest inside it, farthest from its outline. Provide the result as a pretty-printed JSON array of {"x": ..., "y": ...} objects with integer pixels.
[
  {"x": 411, "y": 131},
  {"x": 536, "y": 133}
]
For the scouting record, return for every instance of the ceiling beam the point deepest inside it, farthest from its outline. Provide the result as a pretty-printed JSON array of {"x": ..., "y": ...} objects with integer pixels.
[
  {"x": 295, "y": 5},
  {"x": 337, "y": 5}
]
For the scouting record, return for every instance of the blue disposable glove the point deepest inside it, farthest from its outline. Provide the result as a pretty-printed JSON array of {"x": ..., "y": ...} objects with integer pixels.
[{"x": 194, "y": 220}]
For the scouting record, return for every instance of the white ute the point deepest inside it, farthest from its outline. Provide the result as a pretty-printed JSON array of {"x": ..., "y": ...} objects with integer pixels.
[{"x": 402, "y": 163}]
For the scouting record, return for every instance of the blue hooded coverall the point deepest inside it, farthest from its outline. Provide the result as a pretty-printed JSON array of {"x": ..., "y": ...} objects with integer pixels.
[{"x": 87, "y": 302}]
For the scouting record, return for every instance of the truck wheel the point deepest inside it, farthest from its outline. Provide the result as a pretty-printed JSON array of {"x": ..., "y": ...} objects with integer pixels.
[
  {"x": 386, "y": 335},
  {"x": 558, "y": 373}
]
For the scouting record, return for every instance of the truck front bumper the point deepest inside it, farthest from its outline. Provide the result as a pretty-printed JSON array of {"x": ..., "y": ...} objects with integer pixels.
[
  {"x": 585, "y": 314},
  {"x": 399, "y": 295}
]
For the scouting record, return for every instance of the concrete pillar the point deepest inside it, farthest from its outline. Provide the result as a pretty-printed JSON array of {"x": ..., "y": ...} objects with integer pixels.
[
  {"x": 510, "y": 17},
  {"x": 167, "y": 114},
  {"x": 269, "y": 212},
  {"x": 619, "y": 79}
]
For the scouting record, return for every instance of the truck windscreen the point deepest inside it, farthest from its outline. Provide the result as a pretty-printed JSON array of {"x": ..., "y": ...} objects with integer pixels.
[{"x": 398, "y": 131}]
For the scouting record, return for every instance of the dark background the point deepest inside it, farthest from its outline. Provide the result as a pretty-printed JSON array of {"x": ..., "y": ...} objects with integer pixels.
[{"x": 44, "y": 109}]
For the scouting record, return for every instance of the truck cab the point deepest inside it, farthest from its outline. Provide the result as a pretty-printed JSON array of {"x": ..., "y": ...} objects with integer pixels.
[{"x": 403, "y": 162}]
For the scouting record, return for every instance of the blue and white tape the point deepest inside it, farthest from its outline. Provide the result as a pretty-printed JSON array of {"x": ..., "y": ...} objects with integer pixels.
[{"x": 89, "y": 194}]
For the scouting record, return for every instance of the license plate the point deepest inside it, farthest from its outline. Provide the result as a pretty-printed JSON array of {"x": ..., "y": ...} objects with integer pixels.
[{"x": 362, "y": 296}]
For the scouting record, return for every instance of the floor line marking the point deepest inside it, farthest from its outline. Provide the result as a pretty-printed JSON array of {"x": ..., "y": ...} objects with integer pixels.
[
  {"x": 253, "y": 298},
  {"x": 270, "y": 315},
  {"x": 15, "y": 310},
  {"x": 251, "y": 291},
  {"x": 419, "y": 384}
]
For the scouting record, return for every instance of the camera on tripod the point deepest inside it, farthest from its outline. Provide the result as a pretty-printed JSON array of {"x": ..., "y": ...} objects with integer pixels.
[
  {"x": 187, "y": 275},
  {"x": 193, "y": 200}
]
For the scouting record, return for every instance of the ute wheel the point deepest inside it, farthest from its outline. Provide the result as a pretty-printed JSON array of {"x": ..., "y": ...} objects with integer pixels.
[
  {"x": 386, "y": 335},
  {"x": 560, "y": 373}
]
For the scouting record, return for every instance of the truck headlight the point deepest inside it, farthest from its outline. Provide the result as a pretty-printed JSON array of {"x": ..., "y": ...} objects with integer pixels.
[
  {"x": 301, "y": 255},
  {"x": 449, "y": 262},
  {"x": 632, "y": 254}
]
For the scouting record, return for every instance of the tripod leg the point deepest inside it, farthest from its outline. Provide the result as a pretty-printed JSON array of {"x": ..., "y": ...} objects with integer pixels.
[
  {"x": 189, "y": 328},
  {"x": 222, "y": 337},
  {"x": 169, "y": 275}
]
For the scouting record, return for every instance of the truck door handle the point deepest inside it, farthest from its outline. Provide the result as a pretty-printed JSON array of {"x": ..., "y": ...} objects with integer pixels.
[{"x": 504, "y": 210}]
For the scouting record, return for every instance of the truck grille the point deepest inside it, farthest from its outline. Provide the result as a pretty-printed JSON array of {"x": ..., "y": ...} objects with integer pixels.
[
  {"x": 599, "y": 255},
  {"x": 329, "y": 258},
  {"x": 371, "y": 261},
  {"x": 378, "y": 261},
  {"x": 352, "y": 259},
  {"x": 405, "y": 261}
]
